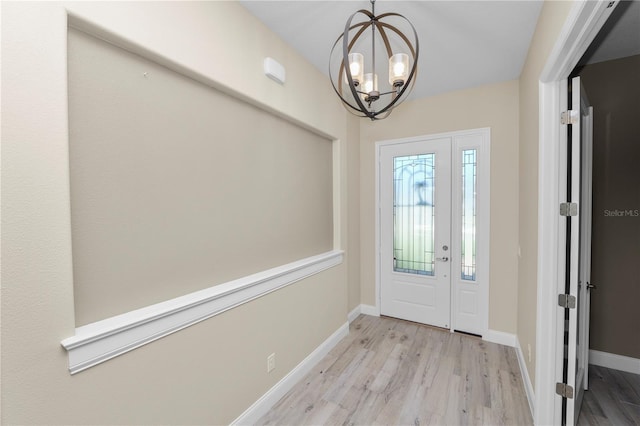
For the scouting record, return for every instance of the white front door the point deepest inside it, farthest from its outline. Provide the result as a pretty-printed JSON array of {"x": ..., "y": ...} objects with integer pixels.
[
  {"x": 433, "y": 229},
  {"x": 415, "y": 197}
]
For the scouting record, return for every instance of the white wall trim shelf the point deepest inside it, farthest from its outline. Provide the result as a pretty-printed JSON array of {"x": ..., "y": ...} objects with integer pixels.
[{"x": 102, "y": 340}]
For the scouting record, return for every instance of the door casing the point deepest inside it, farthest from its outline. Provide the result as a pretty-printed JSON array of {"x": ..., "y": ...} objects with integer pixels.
[{"x": 582, "y": 25}]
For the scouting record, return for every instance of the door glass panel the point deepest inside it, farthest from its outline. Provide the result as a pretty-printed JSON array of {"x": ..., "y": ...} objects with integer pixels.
[
  {"x": 413, "y": 214},
  {"x": 468, "y": 242}
]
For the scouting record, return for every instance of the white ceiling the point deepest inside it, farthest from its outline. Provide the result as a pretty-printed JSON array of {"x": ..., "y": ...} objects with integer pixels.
[{"x": 462, "y": 43}]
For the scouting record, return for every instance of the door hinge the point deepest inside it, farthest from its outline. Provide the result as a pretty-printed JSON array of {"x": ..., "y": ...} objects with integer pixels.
[
  {"x": 569, "y": 117},
  {"x": 564, "y": 390},
  {"x": 567, "y": 301},
  {"x": 568, "y": 209}
]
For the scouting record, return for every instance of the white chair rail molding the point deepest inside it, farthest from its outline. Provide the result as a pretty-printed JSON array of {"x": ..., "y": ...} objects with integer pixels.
[{"x": 102, "y": 340}]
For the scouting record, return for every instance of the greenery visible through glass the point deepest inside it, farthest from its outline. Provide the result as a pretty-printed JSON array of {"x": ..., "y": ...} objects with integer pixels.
[
  {"x": 413, "y": 214},
  {"x": 469, "y": 215}
]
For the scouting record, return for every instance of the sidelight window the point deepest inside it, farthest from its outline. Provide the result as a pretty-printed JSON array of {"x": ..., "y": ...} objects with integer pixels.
[{"x": 468, "y": 243}]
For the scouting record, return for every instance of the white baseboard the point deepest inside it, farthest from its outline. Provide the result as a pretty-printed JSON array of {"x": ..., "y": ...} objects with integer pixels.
[
  {"x": 354, "y": 313},
  {"x": 528, "y": 387},
  {"x": 617, "y": 362},
  {"x": 500, "y": 337},
  {"x": 370, "y": 310},
  {"x": 273, "y": 395},
  {"x": 364, "y": 310}
]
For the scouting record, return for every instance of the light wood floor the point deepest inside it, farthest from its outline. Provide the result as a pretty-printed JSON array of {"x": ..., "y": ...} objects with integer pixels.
[
  {"x": 395, "y": 372},
  {"x": 613, "y": 398}
]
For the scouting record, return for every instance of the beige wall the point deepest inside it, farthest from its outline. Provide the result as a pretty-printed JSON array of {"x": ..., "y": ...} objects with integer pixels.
[
  {"x": 613, "y": 89},
  {"x": 172, "y": 192},
  {"x": 494, "y": 106},
  {"x": 206, "y": 374},
  {"x": 219, "y": 364},
  {"x": 551, "y": 20}
]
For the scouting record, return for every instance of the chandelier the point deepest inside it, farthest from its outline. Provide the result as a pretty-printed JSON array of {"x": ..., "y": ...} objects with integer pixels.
[{"x": 359, "y": 90}]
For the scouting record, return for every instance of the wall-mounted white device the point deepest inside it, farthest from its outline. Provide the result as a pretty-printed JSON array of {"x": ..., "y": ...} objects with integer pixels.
[{"x": 274, "y": 70}]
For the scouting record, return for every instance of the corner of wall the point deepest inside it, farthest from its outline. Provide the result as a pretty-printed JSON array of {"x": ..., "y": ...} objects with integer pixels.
[
  {"x": 550, "y": 23},
  {"x": 353, "y": 207}
]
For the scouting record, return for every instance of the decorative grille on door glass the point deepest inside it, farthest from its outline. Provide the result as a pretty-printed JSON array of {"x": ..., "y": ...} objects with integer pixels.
[
  {"x": 413, "y": 214},
  {"x": 468, "y": 242}
]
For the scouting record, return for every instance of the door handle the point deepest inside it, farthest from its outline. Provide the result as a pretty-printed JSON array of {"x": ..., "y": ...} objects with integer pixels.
[
  {"x": 591, "y": 286},
  {"x": 442, "y": 259}
]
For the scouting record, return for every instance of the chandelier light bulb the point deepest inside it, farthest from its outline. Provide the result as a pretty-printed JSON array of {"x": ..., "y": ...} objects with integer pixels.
[
  {"x": 398, "y": 69},
  {"x": 356, "y": 67},
  {"x": 370, "y": 83},
  {"x": 370, "y": 88}
]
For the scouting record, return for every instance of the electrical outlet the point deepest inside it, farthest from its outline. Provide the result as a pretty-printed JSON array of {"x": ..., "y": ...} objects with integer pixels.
[
  {"x": 271, "y": 362},
  {"x": 529, "y": 351}
]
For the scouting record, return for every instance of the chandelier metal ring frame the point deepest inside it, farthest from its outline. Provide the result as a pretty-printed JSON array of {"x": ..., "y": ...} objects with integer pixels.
[{"x": 373, "y": 22}]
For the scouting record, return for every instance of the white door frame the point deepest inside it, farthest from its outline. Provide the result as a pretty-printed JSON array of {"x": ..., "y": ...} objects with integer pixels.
[
  {"x": 585, "y": 20},
  {"x": 482, "y": 225}
]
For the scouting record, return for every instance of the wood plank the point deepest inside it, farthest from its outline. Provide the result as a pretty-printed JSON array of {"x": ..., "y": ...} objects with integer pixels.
[
  {"x": 390, "y": 371},
  {"x": 612, "y": 398}
]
